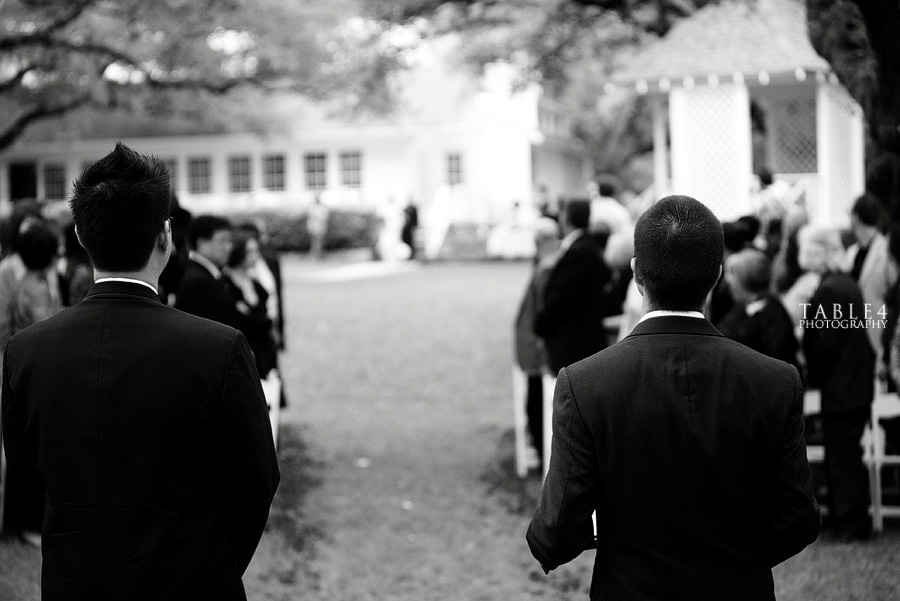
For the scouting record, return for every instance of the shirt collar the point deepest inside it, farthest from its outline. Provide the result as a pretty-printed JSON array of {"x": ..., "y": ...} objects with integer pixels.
[
  {"x": 129, "y": 281},
  {"x": 755, "y": 307},
  {"x": 569, "y": 239},
  {"x": 206, "y": 263},
  {"x": 660, "y": 313}
]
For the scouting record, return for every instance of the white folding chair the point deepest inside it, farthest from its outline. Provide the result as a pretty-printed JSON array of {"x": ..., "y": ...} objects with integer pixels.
[
  {"x": 549, "y": 387},
  {"x": 885, "y": 405},
  {"x": 520, "y": 419},
  {"x": 272, "y": 389}
]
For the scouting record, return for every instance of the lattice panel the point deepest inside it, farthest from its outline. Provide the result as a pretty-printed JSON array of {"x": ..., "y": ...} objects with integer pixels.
[
  {"x": 840, "y": 111},
  {"x": 715, "y": 148},
  {"x": 792, "y": 122}
]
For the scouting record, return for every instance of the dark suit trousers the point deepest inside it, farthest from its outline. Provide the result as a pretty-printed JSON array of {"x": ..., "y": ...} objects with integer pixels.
[
  {"x": 846, "y": 475},
  {"x": 534, "y": 408}
]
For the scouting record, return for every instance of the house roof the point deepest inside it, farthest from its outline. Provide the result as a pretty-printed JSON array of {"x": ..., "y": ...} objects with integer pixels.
[{"x": 746, "y": 37}]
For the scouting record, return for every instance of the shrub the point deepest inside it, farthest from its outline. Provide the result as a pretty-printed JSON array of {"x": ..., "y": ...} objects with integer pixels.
[{"x": 347, "y": 228}]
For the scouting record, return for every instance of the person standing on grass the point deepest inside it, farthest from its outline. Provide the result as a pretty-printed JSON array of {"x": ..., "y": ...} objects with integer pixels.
[
  {"x": 148, "y": 426},
  {"x": 687, "y": 445}
]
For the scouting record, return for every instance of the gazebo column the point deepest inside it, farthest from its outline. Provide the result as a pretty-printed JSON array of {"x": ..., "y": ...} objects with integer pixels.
[
  {"x": 841, "y": 155},
  {"x": 711, "y": 146}
]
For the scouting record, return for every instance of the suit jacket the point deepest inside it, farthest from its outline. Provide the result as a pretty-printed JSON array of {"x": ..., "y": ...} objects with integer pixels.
[
  {"x": 150, "y": 431},
  {"x": 840, "y": 361},
  {"x": 689, "y": 446},
  {"x": 571, "y": 319},
  {"x": 200, "y": 293}
]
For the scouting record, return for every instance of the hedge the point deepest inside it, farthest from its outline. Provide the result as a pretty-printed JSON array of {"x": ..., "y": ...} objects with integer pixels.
[{"x": 347, "y": 228}]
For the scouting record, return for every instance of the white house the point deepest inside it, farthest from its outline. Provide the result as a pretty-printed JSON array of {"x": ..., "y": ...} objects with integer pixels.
[{"x": 464, "y": 149}]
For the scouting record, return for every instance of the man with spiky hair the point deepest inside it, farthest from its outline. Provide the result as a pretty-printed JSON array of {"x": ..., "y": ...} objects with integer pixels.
[
  {"x": 687, "y": 445},
  {"x": 148, "y": 426}
]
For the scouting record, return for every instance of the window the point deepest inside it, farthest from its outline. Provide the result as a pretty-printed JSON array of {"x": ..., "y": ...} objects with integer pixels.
[
  {"x": 454, "y": 168},
  {"x": 351, "y": 169},
  {"x": 273, "y": 172},
  {"x": 314, "y": 166},
  {"x": 239, "y": 173},
  {"x": 54, "y": 181},
  {"x": 172, "y": 166},
  {"x": 198, "y": 175}
]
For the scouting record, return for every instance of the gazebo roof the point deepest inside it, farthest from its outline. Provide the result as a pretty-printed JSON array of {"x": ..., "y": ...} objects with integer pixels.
[{"x": 736, "y": 38}]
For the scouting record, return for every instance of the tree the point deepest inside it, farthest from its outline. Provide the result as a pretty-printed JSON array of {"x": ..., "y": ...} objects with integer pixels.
[
  {"x": 859, "y": 40},
  {"x": 176, "y": 57}
]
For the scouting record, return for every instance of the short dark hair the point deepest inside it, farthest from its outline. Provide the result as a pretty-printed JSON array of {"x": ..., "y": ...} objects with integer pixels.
[
  {"x": 867, "y": 209},
  {"x": 752, "y": 269},
  {"x": 239, "y": 249},
  {"x": 578, "y": 212},
  {"x": 678, "y": 249},
  {"x": 38, "y": 246},
  {"x": 204, "y": 227},
  {"x": 120, "y": 205}
]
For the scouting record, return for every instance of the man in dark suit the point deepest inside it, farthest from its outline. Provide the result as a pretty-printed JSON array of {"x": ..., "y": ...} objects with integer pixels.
[
  {"x": 571, "y": 320},
  {"x": 202, "y": 290},
  {"x": 687, "y": 445},
  {"x": 841, "y": 364},
  {"x": 148, "y": 426}
]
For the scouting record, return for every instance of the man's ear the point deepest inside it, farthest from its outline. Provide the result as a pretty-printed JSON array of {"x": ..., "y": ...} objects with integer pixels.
[
  {"x": 164, "y": 239},
  {"x": 638, "y": 277},
  {"x": 78, "y": 237}
]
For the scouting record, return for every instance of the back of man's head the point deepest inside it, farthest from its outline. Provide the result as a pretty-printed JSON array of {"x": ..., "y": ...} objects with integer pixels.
[
  {"x": 867, "y": 209},
  {"x": 578, "y": 213},
  {"x": 38, "y": 247},
  {"x": 204, "y": 227},
  {"x": 120, "y": 205},
  {"x": 678, "y": 248}
]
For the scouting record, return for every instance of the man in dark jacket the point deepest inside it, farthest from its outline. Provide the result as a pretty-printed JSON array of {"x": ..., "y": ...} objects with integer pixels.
[
  {"x": 841, "y": 365},
  {"x": 148, "y": 426},
  {"x": 687, "y": 445},
  {"x": 571, "y": 319}
]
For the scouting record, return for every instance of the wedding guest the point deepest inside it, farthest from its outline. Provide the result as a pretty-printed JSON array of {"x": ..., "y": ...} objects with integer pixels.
[
  {"x": 201, "y": 289},
  {"x": 147, "y": 425},
  {"x": 758, "y": 319},
  {"x": 841, "y": 364},
  {"x": 687, "y": 446},
  {"x": 34, "y": 299},
  {"x": 250, "y": 301},
  {"x": 571, "y": 319},
  {"x": 530, "y": 354}
]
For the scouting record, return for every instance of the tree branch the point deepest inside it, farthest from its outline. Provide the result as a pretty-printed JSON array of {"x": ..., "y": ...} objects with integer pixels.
[{"x": 18, "y": 125}]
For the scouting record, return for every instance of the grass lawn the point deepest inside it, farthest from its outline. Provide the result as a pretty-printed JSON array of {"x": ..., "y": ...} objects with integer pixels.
[{"x": 396, "y": 454}]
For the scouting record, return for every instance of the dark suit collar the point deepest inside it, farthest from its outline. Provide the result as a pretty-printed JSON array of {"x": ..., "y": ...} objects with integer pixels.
[
  {"x": 121, "y": 288},
  {"x": 675, "y": 324}
]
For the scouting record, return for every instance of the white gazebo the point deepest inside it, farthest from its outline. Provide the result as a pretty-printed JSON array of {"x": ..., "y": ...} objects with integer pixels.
[{"x": 703, "y": 77}]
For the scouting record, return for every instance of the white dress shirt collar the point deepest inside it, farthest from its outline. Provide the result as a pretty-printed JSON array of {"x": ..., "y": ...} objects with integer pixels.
[
  {"x": 206, "y": 263},
  {"x": 129, "y": 281},
  {"x": 660, "y": 313},
  {"x": 570, "y": 238}
]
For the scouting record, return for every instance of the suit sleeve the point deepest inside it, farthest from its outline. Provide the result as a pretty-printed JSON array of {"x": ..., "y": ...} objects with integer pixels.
[
  {"x": 250, "y": 465},
  {"x": 561, "y": 527},
  {"x": 794, "y": 515}
]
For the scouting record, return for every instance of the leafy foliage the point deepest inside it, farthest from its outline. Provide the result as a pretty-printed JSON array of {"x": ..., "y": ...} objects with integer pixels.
[{"x": 170, "y": 57}]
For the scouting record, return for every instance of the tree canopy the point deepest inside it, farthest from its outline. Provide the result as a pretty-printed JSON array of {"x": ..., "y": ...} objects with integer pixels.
[{"x": 168, "y": 57}]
